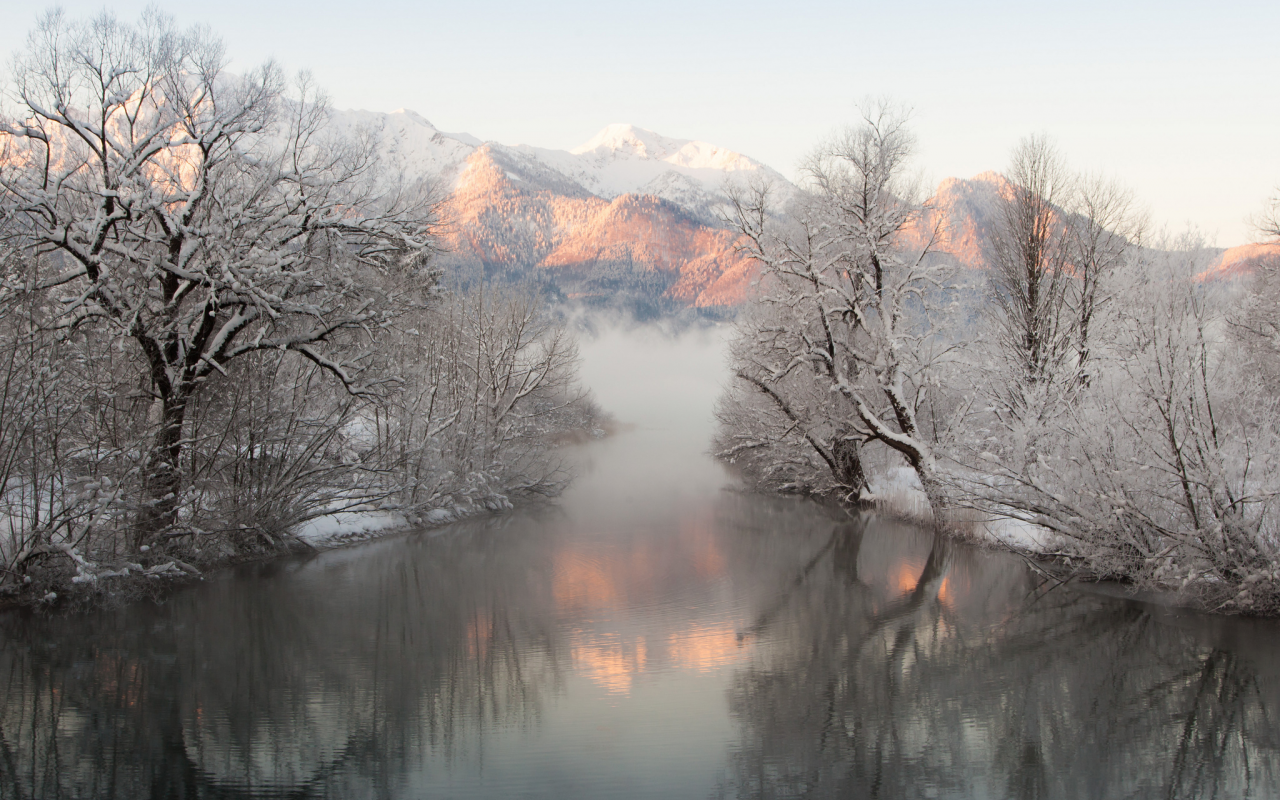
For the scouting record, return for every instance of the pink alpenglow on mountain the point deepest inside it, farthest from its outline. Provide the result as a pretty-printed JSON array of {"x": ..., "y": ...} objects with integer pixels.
[
  {"x": 504, "y": 221},
  {"x": 633, "y": 211}
]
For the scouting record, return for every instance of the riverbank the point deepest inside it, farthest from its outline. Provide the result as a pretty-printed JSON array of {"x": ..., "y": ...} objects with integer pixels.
[
  {"x": 155, "y": 573},
  {"x": 655, "y": 629},
  {"x": 897, "y": 495}
]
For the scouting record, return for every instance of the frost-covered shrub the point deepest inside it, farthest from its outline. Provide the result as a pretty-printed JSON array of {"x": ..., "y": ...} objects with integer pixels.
[
  {"x": 487, "y": 389},
  {"x": 1162, "y": 470}
]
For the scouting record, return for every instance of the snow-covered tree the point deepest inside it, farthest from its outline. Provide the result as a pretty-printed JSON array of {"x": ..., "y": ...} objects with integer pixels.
[
  {"x": 489, "y": 384},
  {"x": 1105, "y": 229},
  {"x": 1268, "y": 222},
  {"x": 1161, "y": 470},
  {"x": 1058, "y": 247},
  {"x": 1256, "y": 321},
  {"x": 842, "y": 348},
  {"x": 195, "y": 215},
  {"x": 1029, "y": 278}
]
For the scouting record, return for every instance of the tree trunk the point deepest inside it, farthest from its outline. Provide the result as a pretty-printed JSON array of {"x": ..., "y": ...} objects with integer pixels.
[
  {"x": 163, "y": 481},
  {"x": 847, "y": 455},
  {"x": 939, "y": 503}
]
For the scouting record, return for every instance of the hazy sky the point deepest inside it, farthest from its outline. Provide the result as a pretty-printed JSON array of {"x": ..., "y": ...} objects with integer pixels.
[{"x": 1177, "y": 100}]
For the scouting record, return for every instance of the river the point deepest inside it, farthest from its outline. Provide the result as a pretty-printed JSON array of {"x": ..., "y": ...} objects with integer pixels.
[{"x": 655, "y": 633}]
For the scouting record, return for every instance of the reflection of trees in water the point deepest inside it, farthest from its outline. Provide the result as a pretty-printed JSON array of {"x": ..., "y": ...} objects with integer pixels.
[
  {"x": 336, "y": 676},
  {"x": 977, "y": 682},
  {"x": 878, "y": 662},
  {"x": 62, "y": 730}
]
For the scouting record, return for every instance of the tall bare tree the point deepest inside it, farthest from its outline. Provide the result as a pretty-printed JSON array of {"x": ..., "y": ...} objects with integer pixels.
[
  {"x": 849, "y": 295},
  {"x": 196, "y": 215},
  {"x": 1029, "y": 253},
  {"x": 1105, "y": 229}
]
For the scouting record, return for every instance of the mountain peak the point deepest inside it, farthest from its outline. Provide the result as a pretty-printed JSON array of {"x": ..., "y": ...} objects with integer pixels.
[
  {"x": 414, "y": 116},
  {"x": 622, "y": 141},
  {"x": 627, "y": 139}
]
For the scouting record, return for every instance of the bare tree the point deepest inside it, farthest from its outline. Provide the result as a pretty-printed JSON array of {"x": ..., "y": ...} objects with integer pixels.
[
  {"x": 197, "y": 215},
  {"x": 489, "y": 383},
  {"x": 1157, "y": 471},
  {"x": 788, "y": 433},
  {"x": 1105, "y": 228},
  {"x": 1268, "y": 222},
  {"x": 1029, "y": 253},
  {"x": 849, "y": 302},
  {"x": 1256, "y": 322}
]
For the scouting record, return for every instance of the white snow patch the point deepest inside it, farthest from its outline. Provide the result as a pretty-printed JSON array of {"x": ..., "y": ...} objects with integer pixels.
[
  {"x": 343, "y": 527},
  {"x": 349, "y": 524},
  {"x": 440, "y": 516},
  {"x": 1019, "y": 534},
  {"x": 899, "y": 490}
]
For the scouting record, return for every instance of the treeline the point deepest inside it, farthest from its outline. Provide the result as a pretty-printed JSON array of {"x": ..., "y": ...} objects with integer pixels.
[
  {"x": 1092, "y": 394},
  {"x": 219, "y": 319}
]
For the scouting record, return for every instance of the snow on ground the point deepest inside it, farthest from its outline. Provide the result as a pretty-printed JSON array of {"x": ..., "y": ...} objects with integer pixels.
[
  {"x": 1018, "y": 534},
  {"x": 899, "y": 491},
  {"x": 348, "y": 525},
  {"x": 344, "y": 527}
]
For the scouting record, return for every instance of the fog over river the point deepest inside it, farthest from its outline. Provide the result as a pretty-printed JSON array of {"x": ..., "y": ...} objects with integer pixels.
[{"x": 653, "y": 633}]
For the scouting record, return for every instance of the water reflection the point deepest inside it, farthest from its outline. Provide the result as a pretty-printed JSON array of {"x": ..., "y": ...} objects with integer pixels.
[
  {"x": 651, "y": 635},
  {"x": 281, "y": 681},
  {"x": 911, "y": 667},
  {"x": 532, "y": 656}
]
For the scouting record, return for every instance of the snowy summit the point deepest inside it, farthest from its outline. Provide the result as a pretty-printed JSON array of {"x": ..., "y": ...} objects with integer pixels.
[
  {"x": 620, "y": 159},
  {"x": 627, "y": 141}
]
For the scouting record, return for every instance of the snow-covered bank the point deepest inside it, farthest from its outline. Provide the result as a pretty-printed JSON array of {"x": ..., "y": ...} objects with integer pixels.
[
  {"x": 350, "y": 527},
  {"x": 346, "y": 526},
  {"x": 897, "y": 492}
]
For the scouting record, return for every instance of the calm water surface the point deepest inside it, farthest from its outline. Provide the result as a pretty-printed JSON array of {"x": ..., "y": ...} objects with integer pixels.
[{"x": 653, "y": 634}]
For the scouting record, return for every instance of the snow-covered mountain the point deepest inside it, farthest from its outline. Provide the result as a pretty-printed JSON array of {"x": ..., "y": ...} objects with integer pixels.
[
  {"x": 969, "y": 210},
  {"x": 620, "y": 159},
  {"x": 630, "y": 213}
]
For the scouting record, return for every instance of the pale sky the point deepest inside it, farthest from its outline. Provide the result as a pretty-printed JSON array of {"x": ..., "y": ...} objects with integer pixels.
[{"x": 1177, "y": 100}]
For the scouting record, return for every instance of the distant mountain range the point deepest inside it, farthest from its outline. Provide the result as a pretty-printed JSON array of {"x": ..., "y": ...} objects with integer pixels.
[
  {"x": 632, "y": 218},
  {"x": 969, "y": 210}
]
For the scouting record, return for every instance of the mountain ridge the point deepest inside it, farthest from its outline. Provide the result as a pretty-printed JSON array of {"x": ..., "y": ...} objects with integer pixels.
[{"x": 635, "y": 214}]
